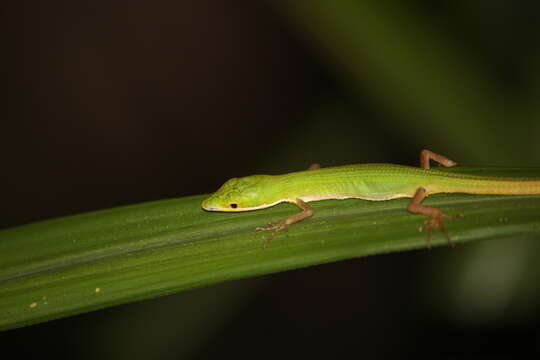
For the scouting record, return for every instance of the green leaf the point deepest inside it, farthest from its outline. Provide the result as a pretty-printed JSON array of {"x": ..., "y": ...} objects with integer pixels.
[{"x": 80, "y": 263}]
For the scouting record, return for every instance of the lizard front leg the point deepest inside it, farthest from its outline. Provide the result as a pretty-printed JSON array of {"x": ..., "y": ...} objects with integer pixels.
[{"x": 306, "y": 212}]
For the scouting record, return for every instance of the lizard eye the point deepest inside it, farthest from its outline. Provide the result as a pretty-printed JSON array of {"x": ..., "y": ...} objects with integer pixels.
[{"x": 233, "y": 205}]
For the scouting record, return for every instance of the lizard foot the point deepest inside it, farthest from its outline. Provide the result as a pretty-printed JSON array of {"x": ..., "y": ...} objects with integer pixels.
[
  {"x": 436, "y": 222},
  {"x": 274, "y": 228}
]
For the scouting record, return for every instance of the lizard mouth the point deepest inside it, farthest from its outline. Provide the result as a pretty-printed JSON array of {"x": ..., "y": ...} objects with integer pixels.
[
  {"x": 210, "y": 207},
  {"x": 207, "y": 205}
]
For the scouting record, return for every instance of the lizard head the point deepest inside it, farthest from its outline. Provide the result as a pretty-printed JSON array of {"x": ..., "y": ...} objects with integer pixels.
[{"x": 239, "y": 194}]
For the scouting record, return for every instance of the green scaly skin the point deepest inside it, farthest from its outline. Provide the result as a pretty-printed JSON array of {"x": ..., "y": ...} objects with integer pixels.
[{"x": 374, "y": 182}]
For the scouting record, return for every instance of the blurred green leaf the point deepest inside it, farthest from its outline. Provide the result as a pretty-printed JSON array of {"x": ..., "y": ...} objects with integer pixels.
[
  {"x": 435, "y": 90},
  {"x": 80, "y": 263}
]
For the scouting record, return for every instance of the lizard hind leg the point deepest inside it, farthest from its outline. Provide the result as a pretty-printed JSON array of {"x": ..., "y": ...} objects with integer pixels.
[
  {"x": 427, "y": 155},
  {"x": 436, "y": 216}
]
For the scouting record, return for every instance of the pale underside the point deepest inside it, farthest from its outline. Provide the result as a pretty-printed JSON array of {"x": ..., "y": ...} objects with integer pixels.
[
  {"x": 381, "y": 197},
  {"x": 311, "y": 198}
]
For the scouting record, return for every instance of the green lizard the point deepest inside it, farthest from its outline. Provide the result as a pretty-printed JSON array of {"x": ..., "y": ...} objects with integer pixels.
[{"x": 374, "y": 182}]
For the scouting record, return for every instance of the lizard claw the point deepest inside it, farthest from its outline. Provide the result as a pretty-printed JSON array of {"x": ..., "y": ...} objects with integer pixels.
[{"x": 270, "y": 227}]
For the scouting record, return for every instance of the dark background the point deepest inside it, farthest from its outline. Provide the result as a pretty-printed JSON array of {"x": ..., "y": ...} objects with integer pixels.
[{"x": 112, "y": 103}]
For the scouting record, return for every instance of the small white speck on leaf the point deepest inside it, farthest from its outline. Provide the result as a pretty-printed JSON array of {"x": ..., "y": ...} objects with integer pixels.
[{"x": 33, "y": 305}]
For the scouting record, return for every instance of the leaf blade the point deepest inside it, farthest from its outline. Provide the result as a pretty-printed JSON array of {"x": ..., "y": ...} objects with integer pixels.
[{"x": 80, "y": 263}]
